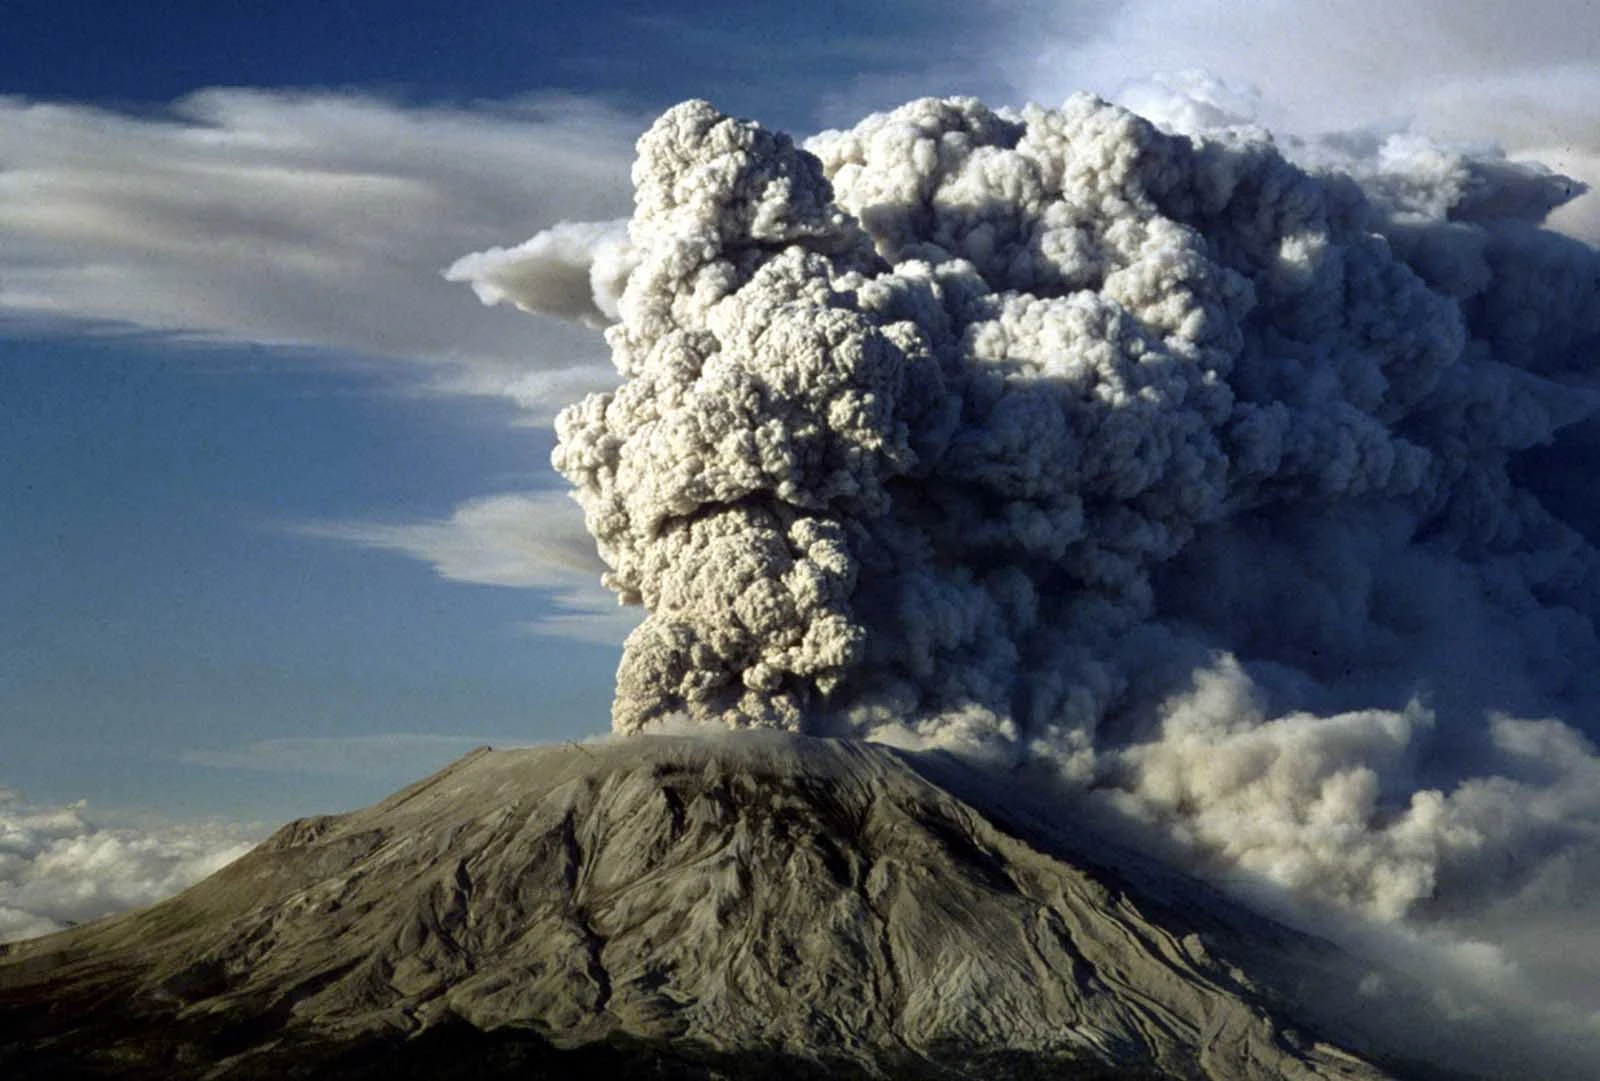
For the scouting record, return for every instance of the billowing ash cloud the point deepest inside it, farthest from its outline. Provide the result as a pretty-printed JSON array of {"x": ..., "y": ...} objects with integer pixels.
[{"x": 1254, "y": 497}]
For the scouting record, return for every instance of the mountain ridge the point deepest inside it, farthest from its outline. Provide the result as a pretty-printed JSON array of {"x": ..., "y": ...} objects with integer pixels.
[{"x": 670, "y": 907}]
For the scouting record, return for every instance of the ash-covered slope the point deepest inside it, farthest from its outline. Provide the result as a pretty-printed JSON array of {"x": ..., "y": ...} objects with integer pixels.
[{"x": 761, "y": 904}]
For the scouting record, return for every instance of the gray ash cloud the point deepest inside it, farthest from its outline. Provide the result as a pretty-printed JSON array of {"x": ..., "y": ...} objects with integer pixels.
[{"x": 1254, "y": 498}]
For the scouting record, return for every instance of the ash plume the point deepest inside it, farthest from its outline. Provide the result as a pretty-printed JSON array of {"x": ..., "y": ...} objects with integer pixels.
[{"x": 1252, "y": 497}]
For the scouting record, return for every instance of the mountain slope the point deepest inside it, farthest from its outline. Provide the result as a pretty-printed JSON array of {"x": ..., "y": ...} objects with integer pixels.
[{"x": 668, "y": 907}]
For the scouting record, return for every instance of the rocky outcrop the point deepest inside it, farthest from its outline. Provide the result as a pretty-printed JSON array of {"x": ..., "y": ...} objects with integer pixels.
[{"x": 752, "y": 905}]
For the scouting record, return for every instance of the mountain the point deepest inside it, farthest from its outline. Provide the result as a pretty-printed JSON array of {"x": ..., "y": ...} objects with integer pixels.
[{"x": 754, "y": 905}]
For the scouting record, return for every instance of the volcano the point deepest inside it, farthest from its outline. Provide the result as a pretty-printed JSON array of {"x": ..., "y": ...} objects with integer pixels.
[{"x": 758, "y": 904}]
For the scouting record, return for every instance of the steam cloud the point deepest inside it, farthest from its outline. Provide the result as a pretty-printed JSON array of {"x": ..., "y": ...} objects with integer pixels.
[{"x": 1254, "y": 495}]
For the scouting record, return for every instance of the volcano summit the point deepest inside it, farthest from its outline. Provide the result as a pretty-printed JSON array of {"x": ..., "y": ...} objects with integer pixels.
[{"x": 761, "y": 905}]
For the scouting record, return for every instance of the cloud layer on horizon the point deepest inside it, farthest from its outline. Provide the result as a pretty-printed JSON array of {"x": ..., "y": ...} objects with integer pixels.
[{"x": 60, "y": 866}]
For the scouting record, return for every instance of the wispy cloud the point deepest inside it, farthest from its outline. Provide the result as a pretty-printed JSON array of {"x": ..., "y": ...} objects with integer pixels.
[
  {"x": 313, "y": 220},
  {"x": 59, "y": 866},
  {"x": 533, "y": 540},
  {"x": 406, "y": 753}
]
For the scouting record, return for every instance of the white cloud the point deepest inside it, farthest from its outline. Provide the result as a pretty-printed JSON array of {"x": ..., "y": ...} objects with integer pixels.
[
  {"x": 1523, "y": 75},
  {"x": 532, "y": 540},
  {"x": 574, "y": 270},
  {"x": 1338, "y": 64},
  {"x": 404, "y": 753},
  {"x": 58, "y": 866},
  {"x": 313, "y": 220}
]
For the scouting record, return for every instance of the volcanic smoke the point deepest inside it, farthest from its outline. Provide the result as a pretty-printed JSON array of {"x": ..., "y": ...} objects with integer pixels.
[{"x": 1249, "y": 488}]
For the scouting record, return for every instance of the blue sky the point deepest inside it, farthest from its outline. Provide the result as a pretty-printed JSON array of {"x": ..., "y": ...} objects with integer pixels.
[
  {"x": 235, "y": 393},
  {"x": 163, "y": 604},
  {"x": 279, "y": 529},
  {"x": 778, "y": 61}
]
